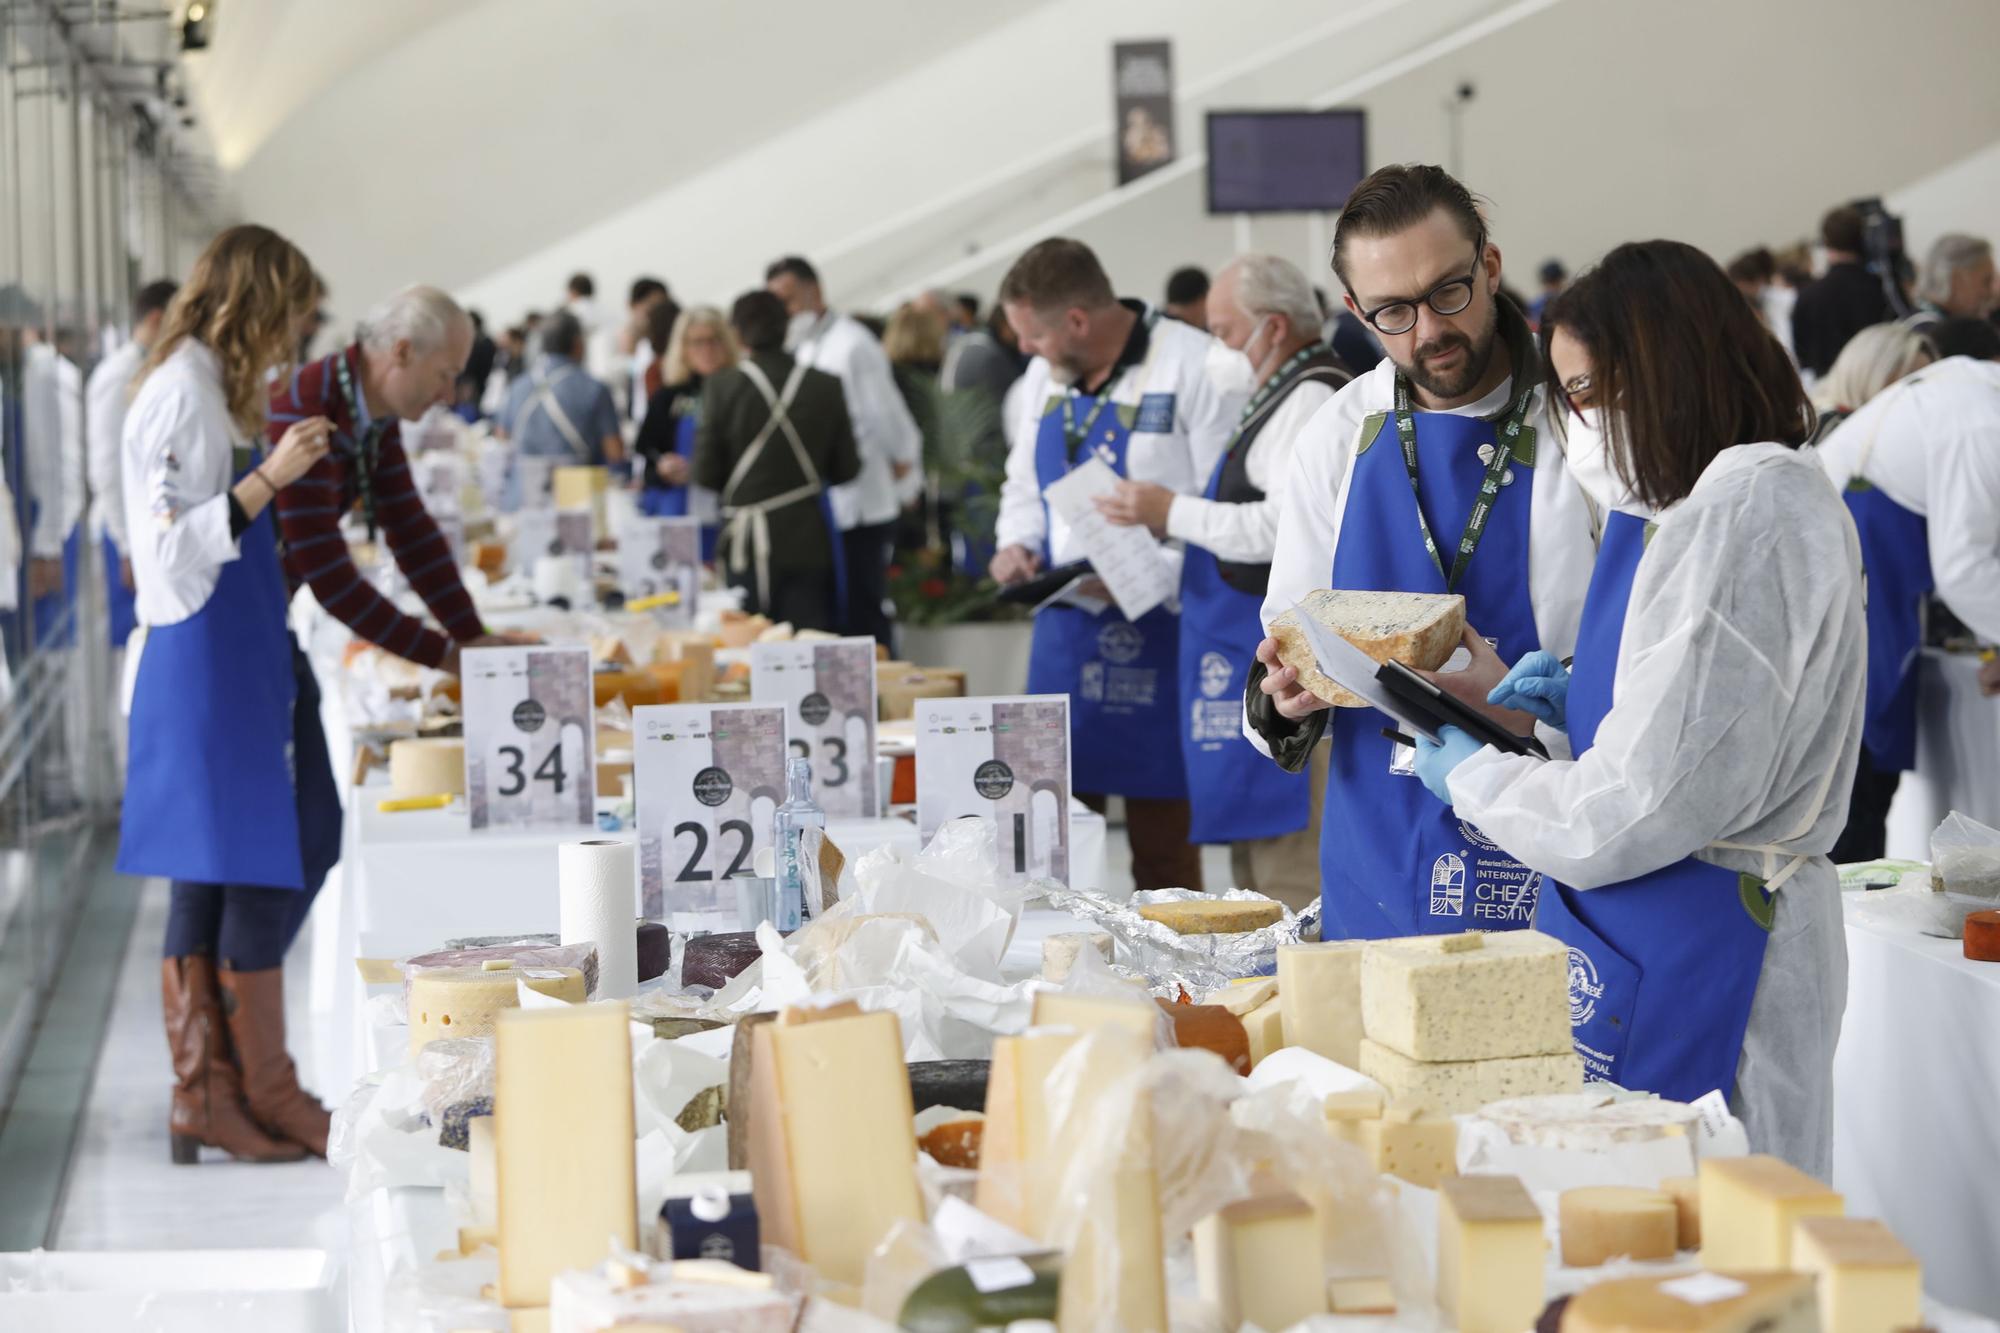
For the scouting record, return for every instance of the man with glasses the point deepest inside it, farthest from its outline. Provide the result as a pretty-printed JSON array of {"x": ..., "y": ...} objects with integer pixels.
[{"x": 1438, "y": 471}]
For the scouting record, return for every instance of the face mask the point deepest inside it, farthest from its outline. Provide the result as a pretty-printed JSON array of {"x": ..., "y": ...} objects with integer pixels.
[
  {"x": 799, "y": 326},
  {"x": 1587, "y": 451},
  {"x": 1229, "y": 370}
]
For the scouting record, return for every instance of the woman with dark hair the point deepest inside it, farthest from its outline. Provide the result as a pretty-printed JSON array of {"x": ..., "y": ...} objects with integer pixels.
[{"x": 1714, "y": 708}]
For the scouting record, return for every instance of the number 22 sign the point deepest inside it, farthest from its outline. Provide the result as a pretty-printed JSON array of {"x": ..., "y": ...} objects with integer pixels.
[
  {"x": 529, "y": 730},
  {"x": 707, "y": 779}
]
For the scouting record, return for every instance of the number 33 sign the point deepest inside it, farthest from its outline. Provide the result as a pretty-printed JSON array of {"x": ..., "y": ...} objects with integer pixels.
[
  {"x": 827, "y": 690},
  {"x": 528, "y": 735},
  {"x": 707, "y": 779}
]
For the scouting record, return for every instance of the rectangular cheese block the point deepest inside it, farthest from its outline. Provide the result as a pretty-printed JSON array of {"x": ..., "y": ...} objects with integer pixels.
[
  {"x": 1135, "y": 1013},
  {"x": 1459, "y": 1087},
  {"x": 833, "y": 1144},
  {"x": 1259, "y": 1260},
  {"x": 1600, "y": 1223},
  {"x": 1361, "y": 1295},
  {"x": 1749, "y": 1206},
  {"x": 1467, "y": 997},
  {"x": 1490, "y": 1254},
  {"x": 1413, "y": 1145},
  {"x": 1017, "y": 1126},
  {"x": 1319, "y": 987},
  {"x": 1265, "y": 1026},
  {"x": 562, "y": 1143},
  {"x": 1420, "y": 630},
  {"x": 1868, "y": 1281},
  {"x": 1116, "y": 1274},
  {"x": 1697, "y": 1303}
]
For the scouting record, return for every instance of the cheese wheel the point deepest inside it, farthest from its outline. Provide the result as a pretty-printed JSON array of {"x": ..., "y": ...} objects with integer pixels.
[
  {"x": 1685, "y": 1191},
  {"x": 1769, "y": 1302},
  {"x": 1214, "y": 916},
  {"x": 1982, "y": 937},
  {"x": 427, "y": 766},
  {"x": 1420, "y": 630},
  {"x": 463, "y": 1001},
  {"x": 1605, "y": 1222}
]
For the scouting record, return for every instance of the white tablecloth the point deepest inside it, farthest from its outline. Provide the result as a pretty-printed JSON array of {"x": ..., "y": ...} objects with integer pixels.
[
  {"x": 1916, "y": 1117},
  {"x": 1958, "y": 755}
]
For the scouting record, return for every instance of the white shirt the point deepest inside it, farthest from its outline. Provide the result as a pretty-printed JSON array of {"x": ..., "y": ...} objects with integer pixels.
[
  {"x": 1247, "y": 532},
  {"x": 178, "y": 463},
  {"x": 884, "y": 431},
  {"x": 1179, "y": 459},
  {"x": 52, "y": 429},
  {"x": 106, "y": 393},
  {"x": 1562, "y": 532},
  {"x": 1935, "y": 439}
]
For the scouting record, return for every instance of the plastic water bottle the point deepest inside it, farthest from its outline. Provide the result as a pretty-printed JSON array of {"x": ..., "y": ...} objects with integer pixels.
[{"x": 798, "y": 876}]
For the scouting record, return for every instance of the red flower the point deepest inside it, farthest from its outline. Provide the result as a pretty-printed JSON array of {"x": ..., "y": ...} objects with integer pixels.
[
  {"x": 895, "y": 571},
  {"x": 932, "y": 587}
]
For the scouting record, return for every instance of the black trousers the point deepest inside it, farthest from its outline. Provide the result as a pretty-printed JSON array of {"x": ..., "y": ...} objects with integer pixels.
[
  {"x": 1866, "y": 837},
  {"x": 804, "y": 597},
  {"x": 868, "y": 550},
  {"x": 247, "y": 927}
]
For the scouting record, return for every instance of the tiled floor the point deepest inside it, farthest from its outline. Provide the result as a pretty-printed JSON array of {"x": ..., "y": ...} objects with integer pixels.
[{"x": 124, "y": 1193}]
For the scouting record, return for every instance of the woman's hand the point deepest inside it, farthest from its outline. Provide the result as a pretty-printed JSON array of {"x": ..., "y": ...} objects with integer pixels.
[
  {"x": 1474, "y": 683},
  {"x": 303, "y": 444},
  {"x": 1538, "y": 684},
  {"x": 1292, "y": 700}
]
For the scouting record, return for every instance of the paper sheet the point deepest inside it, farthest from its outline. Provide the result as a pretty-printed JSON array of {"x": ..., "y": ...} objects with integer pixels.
[{"x": 1126, "y": 558}]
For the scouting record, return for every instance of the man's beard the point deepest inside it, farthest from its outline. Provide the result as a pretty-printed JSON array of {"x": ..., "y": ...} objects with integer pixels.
[
  {"x": 1065, "y": 370},
  {"x": 1457, "y": 382}
]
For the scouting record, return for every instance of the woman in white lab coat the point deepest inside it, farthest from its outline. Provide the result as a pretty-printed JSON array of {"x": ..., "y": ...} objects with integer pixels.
[
  {"x": 1714, "y": 708},
  {"x": 227, "y": 791}
]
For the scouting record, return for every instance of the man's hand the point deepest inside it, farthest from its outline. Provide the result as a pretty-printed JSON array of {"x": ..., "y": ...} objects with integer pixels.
[
  {"x": 1989, "y": 677},
  {"x": 1293, "y": 700},
  {"x": 1475, "y": 681},
  {"x": 508, "y": 639},
  {"x": 125, "y": 573},
  {"x": 1014, "y": 564},
  {"x": 672, "y": 469},
  {"x": 45, "y": 576},
  {"x": 1138, "y": 503}
]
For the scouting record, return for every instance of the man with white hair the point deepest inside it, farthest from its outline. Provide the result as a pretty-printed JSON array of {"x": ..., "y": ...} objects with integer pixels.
[
  {"x": 1266, "y": 324},
  {"x": 1957, "y": 281},
  {"x": 406, "y": 358}
]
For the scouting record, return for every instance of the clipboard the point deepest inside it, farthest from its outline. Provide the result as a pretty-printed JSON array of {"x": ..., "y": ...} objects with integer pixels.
[{"x": 1044, "y": 585}]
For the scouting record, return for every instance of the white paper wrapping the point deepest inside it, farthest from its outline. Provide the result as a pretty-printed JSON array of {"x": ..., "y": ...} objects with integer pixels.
[
  {"x": 558, "y": 576},
  {"x": 596, "y": 887}
]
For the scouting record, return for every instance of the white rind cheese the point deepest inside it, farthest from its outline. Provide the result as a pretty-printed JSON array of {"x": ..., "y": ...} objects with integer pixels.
[
  {"x": 1588, "y": 1122},
  {"x": 1467, "y": 997},
  {"x": 1462, "y": 1086}
]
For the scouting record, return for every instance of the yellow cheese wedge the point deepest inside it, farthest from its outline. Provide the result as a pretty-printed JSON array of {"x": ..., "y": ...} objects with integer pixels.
[
  {"x": 1214, "y": 916},
  {"x": 1762, "y": 1303},
  {"x": 1266, "y": 1026},
  {"x": 1867, "y": 1280},
  {"x": 1604, "y": 1222},
  {"x": 1749, "y": 1206},
  {"x": 1490, "y": 1254},
  {"x": 1685, "y": 1191},
  {"x": 1259, "y": 1261}
]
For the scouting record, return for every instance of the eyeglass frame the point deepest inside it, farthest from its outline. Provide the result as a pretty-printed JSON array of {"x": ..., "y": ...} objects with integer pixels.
[
  {"x": 1469, "y": 279},
  {"x": 1573, "y": 386}
]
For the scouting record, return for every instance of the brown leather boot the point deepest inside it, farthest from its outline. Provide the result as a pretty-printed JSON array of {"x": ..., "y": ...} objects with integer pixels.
[
  {"x": 208, "y": 1092},
  {"x": 255, "y": 1004}
]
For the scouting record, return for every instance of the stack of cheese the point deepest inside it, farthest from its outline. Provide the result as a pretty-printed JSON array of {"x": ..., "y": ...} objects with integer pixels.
[{"x": 1453, "y": 1022}]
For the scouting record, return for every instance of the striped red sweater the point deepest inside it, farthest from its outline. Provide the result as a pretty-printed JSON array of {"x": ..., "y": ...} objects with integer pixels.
[{"x": 309, "y": 513}]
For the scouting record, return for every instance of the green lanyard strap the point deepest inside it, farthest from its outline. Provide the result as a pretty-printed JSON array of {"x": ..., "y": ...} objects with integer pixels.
[
  {"x": 366, "y": 444},
  {"x": 1489, "y": 488},
  {"x": 1073, "y": 435},
  {"x": 1267, "y": 389}
]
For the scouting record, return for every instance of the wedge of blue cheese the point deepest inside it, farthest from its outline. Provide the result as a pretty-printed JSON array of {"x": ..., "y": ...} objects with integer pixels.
[{"x": 1418, "y": 629}]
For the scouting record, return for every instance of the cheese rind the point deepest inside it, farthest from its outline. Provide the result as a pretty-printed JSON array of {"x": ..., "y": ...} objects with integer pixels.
[
  {"x": 1767, "y": 1303},
  {"x": 1319, "y": 988},
  {"x": 1463, "y": 1086},
  {"x": 1868, "y": 1281},
  {"x": 1214, "y": 916},
  {"x": 1258, "y": 1261},
  {"x": 465, "y": 1001},
  {"x": 1210, "y": 1027},
  {"x": 1600, "y": 1223},
  {"x": 1420, "y": 630},
  {"x": 1685, "y": 1191},
  {"x": 426, "y": 766},
  {"x": 1490, "y": 1254},
  {"x": 563, "y": 1143},
  {"x": 1361, "y": 1295},
  {"x": 1467, "y": 997},
  {"x": 1749, "y": 1206}
]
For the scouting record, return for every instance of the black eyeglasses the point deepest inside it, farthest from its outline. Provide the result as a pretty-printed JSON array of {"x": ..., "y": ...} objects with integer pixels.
[{"x": 1450, "y": 297}]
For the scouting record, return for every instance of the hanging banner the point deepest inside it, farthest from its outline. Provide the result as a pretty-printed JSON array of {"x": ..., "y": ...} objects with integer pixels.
[{"x": 1142, "y": 82}]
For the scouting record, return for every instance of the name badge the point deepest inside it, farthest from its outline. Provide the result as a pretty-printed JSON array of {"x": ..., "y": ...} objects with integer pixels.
[{"x": 1156, "y": 414}]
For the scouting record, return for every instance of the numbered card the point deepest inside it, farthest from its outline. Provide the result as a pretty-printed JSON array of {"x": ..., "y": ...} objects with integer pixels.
[
  {"x": 535, "y": 480},
  {"x": 657, "y": 556},
  {"x": 576, "y": 532},
  {"x": 530, "y": 728},
  {"x": 534, "y": 537},
  {"x": 1003, "y": 759},
  {"x": 827, "y": 690},
  {"x": 707, "y": 779}
]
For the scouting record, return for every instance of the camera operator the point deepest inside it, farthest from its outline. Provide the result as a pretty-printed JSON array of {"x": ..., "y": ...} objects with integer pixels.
[{"x": 1844, "y": 300}]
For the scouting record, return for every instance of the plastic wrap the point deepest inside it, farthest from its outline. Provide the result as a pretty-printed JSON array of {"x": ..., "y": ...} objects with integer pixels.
[
  {"x": 382, "y": 1136},
  {"x": 1965, "y": 859},
  {"x": 1195, "y": 963},
  {"x": 432, "y": 1297},
  {"x": 669, "y": 1078},
  {"x": 523, "y": 954}
]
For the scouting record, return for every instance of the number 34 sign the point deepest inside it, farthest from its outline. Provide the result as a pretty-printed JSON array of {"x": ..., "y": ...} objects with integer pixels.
[
  {"x": 707, "y": 779},
  {"x": 529, "y": 730}
]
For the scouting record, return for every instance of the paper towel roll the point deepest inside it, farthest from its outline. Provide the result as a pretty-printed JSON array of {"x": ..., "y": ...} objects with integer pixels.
[
  {"x": 559, "y": 576},
  {"x": 597, "y": 887}
]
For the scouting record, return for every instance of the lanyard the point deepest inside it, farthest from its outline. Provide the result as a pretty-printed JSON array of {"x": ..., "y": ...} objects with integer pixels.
[
  {"x": 1074, "y": 436},
  {"x": 365, "y": 444},
  {"x": 1482, "y": 508}
]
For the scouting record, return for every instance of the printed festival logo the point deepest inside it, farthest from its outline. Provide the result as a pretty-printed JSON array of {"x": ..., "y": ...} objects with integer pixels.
[
  {"x": 1448, "y": 885},
  {"x": 1215, "y": 675},
  {"x": 1585, "y": 990},
  {"x": 1120, "y": 644}
]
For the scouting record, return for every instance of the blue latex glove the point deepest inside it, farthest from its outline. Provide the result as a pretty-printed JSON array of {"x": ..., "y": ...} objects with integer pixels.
[
  {"x": 1436, "y": 759},
  {"x": 1538, "y": 685}
]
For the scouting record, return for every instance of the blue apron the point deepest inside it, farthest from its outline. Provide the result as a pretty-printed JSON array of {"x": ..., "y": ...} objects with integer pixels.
[
  {"x": 1895, "y": 556},
  {"x": 209, "y": 794},
  {"x": 119, "y": 600},
  {"x": 1395, "y": 860},
  {"x": 672, "y": 501},
  {"x": 1119, "y": 674},
  {"x": 1662, "y": 968},
  {"x": 1236, "y": 793}
]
